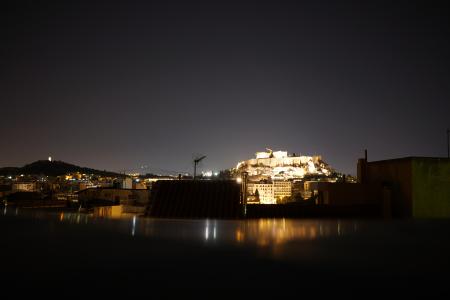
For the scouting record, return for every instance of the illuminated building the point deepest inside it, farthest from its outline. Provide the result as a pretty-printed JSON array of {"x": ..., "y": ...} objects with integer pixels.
[
  {"x": 269, "y": 192},
  {"x": 24, "y": 187},
  {"x": 127, "y": 183},
  {"x": 279, "y": 165},
  {"x": 139, "y": 186},
  {"x": 282, "y": 190},
  {"x": 272, "y": 175},
  {"x": 263, "y": 190}
]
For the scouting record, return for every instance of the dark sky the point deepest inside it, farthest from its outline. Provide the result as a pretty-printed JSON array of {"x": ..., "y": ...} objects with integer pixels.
[{"x": 118, "y": 85}]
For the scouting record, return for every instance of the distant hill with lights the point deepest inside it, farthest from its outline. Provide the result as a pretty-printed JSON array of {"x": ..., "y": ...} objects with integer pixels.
[
  {"x": 53, "y": 168},
  {"x": 280, "y": 165}
]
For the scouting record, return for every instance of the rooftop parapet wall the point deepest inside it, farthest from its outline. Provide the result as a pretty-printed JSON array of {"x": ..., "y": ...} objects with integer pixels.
[
  {"x": 396, "y": 176},
  {"x": 431, "y": 188},
  {"x": 285, "y": 161},
  {"x": 419, "y": 186},
  {"x": 195, "y": 199}
]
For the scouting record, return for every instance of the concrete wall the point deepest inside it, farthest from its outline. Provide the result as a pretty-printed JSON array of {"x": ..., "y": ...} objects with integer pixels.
[
  {"x": 138, "y": 197},
  {"x": 346, "y": 193},
  {"x": 419, "y": 186},
  {"x": 431, "y": 188},
  {"x": 397, "y": 176},
  {"x": 285, "y": 161}
]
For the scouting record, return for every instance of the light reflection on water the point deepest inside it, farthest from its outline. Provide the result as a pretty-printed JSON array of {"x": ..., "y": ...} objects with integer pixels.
[
  {"x": 133, "y": 229},
  {"x": 260, "y": 232},
  {"x": 279, "y": 231}
]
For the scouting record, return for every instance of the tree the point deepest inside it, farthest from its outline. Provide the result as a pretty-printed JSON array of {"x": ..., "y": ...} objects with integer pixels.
[{"x": 257, "y": 195}]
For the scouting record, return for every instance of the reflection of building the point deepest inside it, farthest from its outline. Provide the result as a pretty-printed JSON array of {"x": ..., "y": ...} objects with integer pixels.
[
  {"x": 117, "y": 211},
  {"x": 279, "y": 231}
]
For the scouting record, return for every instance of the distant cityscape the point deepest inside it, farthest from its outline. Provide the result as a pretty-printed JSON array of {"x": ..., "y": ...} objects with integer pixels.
[
  {"x": 399, "y": 187},
  {"x": 275, "y": 177}
]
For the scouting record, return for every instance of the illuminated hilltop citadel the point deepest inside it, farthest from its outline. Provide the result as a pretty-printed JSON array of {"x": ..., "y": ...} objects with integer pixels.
[{"x": 279, "y": 165}]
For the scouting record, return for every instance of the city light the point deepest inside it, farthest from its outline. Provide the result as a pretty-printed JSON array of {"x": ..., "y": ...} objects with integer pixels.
[{"x": 207, "y": 174}]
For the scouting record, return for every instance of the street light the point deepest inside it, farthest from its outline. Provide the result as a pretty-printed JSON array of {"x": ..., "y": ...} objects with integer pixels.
[{"x": 244, "y": 178}]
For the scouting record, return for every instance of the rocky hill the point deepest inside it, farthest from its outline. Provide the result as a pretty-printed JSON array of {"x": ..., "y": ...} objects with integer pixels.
[{"x": 282, "y": 166}]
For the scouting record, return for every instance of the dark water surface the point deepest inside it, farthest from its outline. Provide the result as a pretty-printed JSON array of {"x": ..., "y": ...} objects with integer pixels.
[{"x": 46, "y": 250}]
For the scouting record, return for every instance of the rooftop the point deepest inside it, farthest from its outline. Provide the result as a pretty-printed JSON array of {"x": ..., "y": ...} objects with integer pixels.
[
  {"x": 445, "y": 159},
  {"x": 61, "y": 250}
]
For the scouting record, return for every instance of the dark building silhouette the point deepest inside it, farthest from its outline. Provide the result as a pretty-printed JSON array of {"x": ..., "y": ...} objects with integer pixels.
[
  {"x": 195, "y": 199},
  {"x": 415, "y": 186},
  {"x": 403, "y": 187}
]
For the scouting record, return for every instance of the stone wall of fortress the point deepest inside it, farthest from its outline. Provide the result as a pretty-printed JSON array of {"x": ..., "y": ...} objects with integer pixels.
[{"x": 285, "y": 161}]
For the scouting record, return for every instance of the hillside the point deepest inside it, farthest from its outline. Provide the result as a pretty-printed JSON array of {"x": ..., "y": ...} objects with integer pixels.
[{"x": 52, "y": 168}]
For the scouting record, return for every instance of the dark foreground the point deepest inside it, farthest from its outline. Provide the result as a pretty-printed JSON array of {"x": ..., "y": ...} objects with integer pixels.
[{"x": 48, "y": 252}]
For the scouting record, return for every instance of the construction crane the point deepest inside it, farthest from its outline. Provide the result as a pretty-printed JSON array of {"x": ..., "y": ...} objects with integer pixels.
[{"x": 196, "y": 161}]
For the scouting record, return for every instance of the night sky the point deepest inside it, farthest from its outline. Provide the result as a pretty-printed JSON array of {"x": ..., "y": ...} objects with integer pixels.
[{"x": 118, "y": 85}]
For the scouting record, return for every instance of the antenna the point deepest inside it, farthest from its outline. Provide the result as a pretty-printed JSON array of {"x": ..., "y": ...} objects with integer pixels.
[
  {"x": 196, "y": 161},
  {"x": 448, "y": 143}
]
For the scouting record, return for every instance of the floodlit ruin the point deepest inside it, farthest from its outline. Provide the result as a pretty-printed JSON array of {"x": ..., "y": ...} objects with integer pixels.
[{"x": 280, "y": 165}]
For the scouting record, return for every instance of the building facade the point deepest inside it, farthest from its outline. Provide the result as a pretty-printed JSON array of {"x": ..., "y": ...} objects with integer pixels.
[
  {"x": 269, "y": 192},
  {"x": 24, "y": 187},
  {"x": 282, "y": 190}
]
